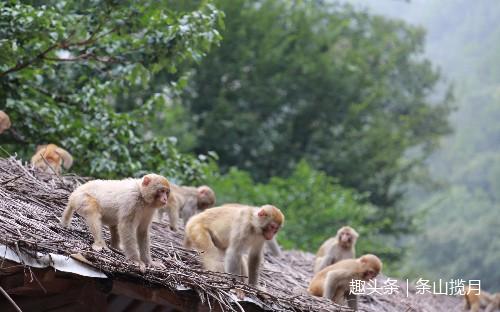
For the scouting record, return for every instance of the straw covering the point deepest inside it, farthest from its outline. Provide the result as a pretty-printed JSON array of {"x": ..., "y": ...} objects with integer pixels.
[{"x": 31, "y": 204}]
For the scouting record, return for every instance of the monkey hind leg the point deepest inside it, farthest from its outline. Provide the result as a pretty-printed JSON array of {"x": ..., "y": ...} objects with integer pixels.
[
  {"x": 95, "y": 226},
  {"x": 200, "y": 239},
  {"x": 91, "y": 211},
  {"x": 115, "y": 237},
  {"x": 213, "y": 259},
  {"x": 68, "y": 212}
]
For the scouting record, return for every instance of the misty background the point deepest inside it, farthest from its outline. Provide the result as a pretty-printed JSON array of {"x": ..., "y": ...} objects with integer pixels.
[{"x": 461, "y": 228}]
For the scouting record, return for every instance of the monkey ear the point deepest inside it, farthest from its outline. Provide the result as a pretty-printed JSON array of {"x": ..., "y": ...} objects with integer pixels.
[
  {"x": 146, "y": 180},
  {"x": 262, "y": 213}
]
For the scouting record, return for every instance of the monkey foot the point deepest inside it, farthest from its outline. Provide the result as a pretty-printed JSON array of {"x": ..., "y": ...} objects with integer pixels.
[
  {"x": 141, "y": 265},
  {"x": 117, "y": 247},
  {"x": 64, "y": 225},
  {"x": 99, "y": 246},
  {"x": 158, "y": 265},
  {"x": 173, "y": 228},
  {"x": 240, "y": 294}
]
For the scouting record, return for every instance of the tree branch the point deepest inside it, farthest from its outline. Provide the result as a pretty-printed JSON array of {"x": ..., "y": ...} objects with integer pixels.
[
  {"x": 22, "y": 65},
  {"x": 84, "y": 56},
  {"x": 65, "y": 44}
]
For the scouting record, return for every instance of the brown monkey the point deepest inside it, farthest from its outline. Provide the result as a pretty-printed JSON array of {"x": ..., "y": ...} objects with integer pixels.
[
  {"x": 334, "y": 281},
  {"x": 227, "y": 233},
  {"x": 475, "y": 299},
  {"x": 340, "y": 247},
  {"x": 4, "y": 121},
  {"x": 126, "y": 206},
  {"x": 494, "y": 303},
  {"x": 186, "y": 201},
  {"x": 50, "y": 158}
]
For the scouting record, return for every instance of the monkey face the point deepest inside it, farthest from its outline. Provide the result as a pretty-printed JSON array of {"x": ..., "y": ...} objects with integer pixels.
[
  {"x": 346, "y": 236},
  {"x": 155, "y": 189},
  {"x": 205, "y": 197},
  {"x": 369, "y": 274},
  {"x": 345, "y": 239},
  {"x": 270, "y": 230},
  {"x": 271, "y": 220},
  {"x": 162, "y": 195}
]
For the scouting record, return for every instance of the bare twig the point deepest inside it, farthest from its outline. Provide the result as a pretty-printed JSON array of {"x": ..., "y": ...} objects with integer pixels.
[
  {"x": 6, "y": 295},
  {"x": 65, "y": 44}
]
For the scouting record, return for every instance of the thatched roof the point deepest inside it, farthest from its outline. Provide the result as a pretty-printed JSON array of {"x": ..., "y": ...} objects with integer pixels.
[{"x": 31, "y": 204}]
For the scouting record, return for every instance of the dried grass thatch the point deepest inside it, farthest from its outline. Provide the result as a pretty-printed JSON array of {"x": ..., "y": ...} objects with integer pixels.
[{"x": 31, "y": 204}]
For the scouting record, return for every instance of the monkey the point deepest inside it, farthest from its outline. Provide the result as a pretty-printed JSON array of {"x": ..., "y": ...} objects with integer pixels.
[
  {"x": 476, "y": 299},
  {"x": 227, "y": 234},
  {"x": 333, "y": 282},
  {"x": 4, "y": 121},
  {"x": 186, "y": 201},
  {"x": 494, "y": 303},
  {"x": 126, "y": 206},
  {"x": 50, "y": 158},
  {"x": 341, "y": 246}
]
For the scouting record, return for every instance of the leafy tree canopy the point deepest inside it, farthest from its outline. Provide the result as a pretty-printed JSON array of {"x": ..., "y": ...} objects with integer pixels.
[
  {"x": 345, "y": 90},
  {"x": 67, "y": 65}
]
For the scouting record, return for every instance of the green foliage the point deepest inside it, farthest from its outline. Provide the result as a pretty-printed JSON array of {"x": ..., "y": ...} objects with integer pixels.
[
  {"x": 460, "y": 240},
  {"x": 314, "y": 204},
  {"x": 78, "y": 74},
  {"x": 345, "y": 90}
]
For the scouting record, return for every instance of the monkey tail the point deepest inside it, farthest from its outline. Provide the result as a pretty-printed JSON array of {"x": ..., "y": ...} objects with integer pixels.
[{"x": 68, "y": 212}]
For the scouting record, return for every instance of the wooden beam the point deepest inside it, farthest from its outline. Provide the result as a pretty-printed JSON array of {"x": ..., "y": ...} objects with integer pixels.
[{"x": 184, "y": 301}]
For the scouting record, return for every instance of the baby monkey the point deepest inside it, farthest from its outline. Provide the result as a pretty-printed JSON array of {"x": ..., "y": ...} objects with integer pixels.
[
  {"x": 340, "y": 247},
  {"x": 51, "y": 158},
  {"x": 126, "y": 206}
]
